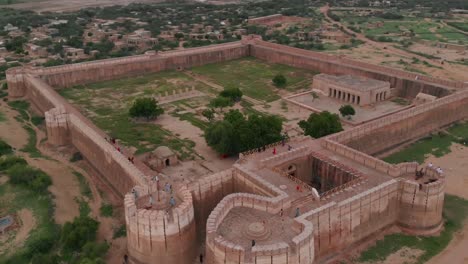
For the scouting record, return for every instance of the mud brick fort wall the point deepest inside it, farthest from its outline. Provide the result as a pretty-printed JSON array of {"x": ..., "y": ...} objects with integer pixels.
[
  {"x": 379, "y": 135},
  {"x": 155, "y": 237}
]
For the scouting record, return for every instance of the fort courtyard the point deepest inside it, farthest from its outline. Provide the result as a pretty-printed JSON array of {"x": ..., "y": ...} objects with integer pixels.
[{"x": 299, "y": 200}]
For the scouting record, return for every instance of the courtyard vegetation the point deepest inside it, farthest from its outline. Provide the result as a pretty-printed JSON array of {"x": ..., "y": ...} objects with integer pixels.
[{"x": 109, "y": 103}]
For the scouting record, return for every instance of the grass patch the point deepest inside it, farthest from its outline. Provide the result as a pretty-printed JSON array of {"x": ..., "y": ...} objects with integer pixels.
[
  {"x": 22, "y": 107},
  {"x": 84, "y": 186},
  {"x": 193, "y": 119},
  {"x": 83, "y": 206},
  {"x": 2, "y": 117},
  {"x": 106, "y": 210},
  {"x": 254, "y": 77},
  {"x": 5, "y": 149},
  {"x": 37, "y": 120},
  {"x": 437, "y": 145},
  {"x": 401, "y": 101},
  {"x": 30, "y": 147},
  {"x": 455, "y": 212}
]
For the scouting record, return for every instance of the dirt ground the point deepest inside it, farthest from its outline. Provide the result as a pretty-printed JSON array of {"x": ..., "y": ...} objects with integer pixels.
[
  {"x": 377, "y": 52},
  {"x": 455, "y": 165},
  {"x": 65, "y": 187},
  {"x": 27, "y": 223}
]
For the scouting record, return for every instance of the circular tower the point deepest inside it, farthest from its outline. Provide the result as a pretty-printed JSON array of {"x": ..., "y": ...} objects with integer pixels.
[
  {"x": 421, "y": 204},
  {"x": 160, "y": 226}
]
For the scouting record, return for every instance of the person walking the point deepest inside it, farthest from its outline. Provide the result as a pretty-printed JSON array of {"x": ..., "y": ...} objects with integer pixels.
[{"x": 297, "y": 212}]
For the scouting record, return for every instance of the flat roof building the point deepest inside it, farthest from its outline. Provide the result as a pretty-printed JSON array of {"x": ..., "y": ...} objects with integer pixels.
[{"x": 352, "y": 89}]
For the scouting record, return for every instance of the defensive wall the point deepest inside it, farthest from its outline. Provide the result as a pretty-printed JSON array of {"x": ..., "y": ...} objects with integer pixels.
[
  {"x": 154, "y": 236},
  {"x": 407, "y": 84},
  {"x": 384, "y": 133}
]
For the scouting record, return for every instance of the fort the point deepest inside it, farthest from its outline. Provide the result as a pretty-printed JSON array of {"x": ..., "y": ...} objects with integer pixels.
[{"x": 300, "y": 204}]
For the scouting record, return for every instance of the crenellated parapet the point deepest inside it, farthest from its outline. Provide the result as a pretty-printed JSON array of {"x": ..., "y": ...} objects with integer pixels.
[
  {"x": 158, "y": 232},
  {"x": 15, "y": 80}
]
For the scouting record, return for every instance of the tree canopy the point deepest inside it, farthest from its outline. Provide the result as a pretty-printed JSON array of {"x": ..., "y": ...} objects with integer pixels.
[
  {"x": 237, "y": 133},
  {"x": 279, "y": 81},
  {"x": 235, "y": 94},
  {"x": 145, "y": 107},
  {"x": 321, "y": 124}
]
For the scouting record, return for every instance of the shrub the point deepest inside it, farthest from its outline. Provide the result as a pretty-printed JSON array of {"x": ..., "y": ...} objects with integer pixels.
[
  {"x": 8, "y": 162},
  {"x": 33, "y": 178},
  {"x": 279, "y": 81},
  {"x": 76, "y": 234},
  {"x": 120, "y": 232},
  {"x": 347, "y": 110},
  {"x": 5, "y": 149},
  {"x": 235, "y": 94},
  {"x": 106, "y": 210},
  {"x": 76, "y": 157}
]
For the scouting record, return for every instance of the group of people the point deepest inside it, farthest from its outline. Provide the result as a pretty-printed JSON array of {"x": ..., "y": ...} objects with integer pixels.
[
  {"x": 113, "y": 141},
  {"x": 438, "y": 169}
]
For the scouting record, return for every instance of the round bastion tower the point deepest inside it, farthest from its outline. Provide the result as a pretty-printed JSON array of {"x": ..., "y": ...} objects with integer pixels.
[
  {"x": 421, "y": 203},
  {"x": 157, "y": 230}
]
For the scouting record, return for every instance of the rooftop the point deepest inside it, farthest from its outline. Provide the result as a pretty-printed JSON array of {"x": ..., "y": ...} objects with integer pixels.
[{"x": 354, "y": 82}]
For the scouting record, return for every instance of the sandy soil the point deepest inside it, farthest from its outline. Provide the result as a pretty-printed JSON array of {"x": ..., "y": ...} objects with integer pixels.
[{"x": 3, "y": 180}]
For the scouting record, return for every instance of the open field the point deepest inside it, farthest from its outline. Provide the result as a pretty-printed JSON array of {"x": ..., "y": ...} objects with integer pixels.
[
  {"x": 455, "y": 213},
  {"x": 254, "y": 77},
  {"x": 107, "y": 103},
  {"x": 437, "y": 145},
  {"x": 422, "y": 28}
]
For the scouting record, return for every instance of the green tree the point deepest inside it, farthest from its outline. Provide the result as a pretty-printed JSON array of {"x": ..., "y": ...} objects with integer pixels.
[
  {"x": 237, "y": 133},
  {"x": 145, "y": 107},
  {"x": 235, "y": 94},
  {"x": 279, "y": 81},
  {"x": 76, "y": 234},
  {"x": 221, "y": 137},
  {"x": 347, "y": 110},
  {"x": 321, "y": 124},
  {"x": 220, "y": 102},
  {"x": 208, "y": 113}
]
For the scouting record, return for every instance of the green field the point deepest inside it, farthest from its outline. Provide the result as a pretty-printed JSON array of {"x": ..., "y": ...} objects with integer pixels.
[
  {"x": 437, "y": 145},
  {"x": 254, "y": 77}
]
